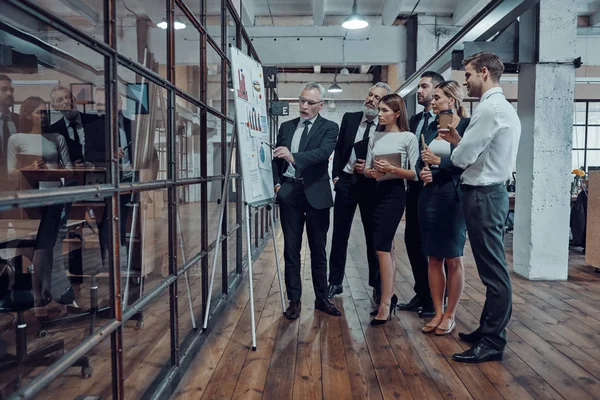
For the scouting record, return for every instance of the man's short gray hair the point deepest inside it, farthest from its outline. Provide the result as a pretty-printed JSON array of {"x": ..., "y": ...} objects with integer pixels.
[
  {"x": 318, "y": 86},
  {"x": 382, "y": 85}
]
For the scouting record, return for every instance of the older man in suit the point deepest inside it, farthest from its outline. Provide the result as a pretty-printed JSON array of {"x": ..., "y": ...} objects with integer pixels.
[
  {"x": 301, "y": 177},
  {"x": 353, "y": 189},
  {"x": 84, "y": 133}
]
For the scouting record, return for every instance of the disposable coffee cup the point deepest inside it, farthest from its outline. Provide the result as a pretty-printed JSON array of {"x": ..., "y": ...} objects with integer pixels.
[{"x": 446, "y": 117}]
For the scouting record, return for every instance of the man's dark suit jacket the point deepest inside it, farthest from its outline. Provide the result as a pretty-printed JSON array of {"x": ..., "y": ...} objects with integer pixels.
[
  {"x": 95, "y": 139},
  {"x": 312, "y": 161},
  {"x": 345, "y": 143},
  {"x": 3, "y": 167},
  {"x": 413, "y": 122}
]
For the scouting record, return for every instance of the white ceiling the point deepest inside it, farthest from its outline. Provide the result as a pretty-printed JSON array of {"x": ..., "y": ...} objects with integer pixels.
[
  {"x": 278, "y": 8},
  {"x": 344, "y": 7}
]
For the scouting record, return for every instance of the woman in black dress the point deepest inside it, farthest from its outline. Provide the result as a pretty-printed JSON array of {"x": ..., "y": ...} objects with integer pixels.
[
  {"x": 443, "y": 228},
  {"x": 391, "y": 159}
]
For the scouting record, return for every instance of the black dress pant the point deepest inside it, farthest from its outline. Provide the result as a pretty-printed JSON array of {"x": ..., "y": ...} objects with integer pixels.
[
  {"x": 295, "y": 211},
  {"x": 414, "y": 245},
  {"x": 350, "y": 192},
  {"x": 485, "y": 209}
]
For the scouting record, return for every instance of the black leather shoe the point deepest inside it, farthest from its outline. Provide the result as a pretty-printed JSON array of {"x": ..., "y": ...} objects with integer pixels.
[
  {"x": 293, "y": 311},
  {"x": 377, "y": 295},
  {"x": 412, "y": 305},
  {"x": 479, "y": 353},
  {"x": 426, "y": 311},
  {"x": 472, "y": 337},
  {"x": 327, "y": 307},
  {"x": 333, "y": 290}
]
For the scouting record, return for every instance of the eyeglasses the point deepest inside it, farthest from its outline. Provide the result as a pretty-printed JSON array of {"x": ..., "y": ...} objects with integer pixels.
[{"x": 302, "y": 100}]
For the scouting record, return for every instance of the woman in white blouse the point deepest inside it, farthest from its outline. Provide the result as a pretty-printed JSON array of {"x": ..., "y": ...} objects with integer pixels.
[
  {"x": 391, "y": 158},
  {"x": 42, "y": 149},
  {"x": 33, "y": 140}
]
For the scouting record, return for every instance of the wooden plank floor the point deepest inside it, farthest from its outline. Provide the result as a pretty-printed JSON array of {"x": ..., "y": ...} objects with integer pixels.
[{"x": 553, "y": 347}]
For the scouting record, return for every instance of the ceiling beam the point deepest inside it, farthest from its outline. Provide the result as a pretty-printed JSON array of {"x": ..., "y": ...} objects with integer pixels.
[
  {"x": 248, "y": 12},
  {"x": 317, "y": 69},
  {"x": 318, "y": 12},
  {"x": 595, "y": 19},
  {"x": 465, "y": 10},
  {"x": 391, "y": 9}
]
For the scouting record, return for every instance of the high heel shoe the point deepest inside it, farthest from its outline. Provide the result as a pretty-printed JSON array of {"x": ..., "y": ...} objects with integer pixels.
[{"x": 392, "y": 305}]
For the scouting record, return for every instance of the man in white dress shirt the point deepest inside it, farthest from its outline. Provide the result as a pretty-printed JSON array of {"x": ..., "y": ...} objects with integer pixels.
[{"x": 487, "y": 153}]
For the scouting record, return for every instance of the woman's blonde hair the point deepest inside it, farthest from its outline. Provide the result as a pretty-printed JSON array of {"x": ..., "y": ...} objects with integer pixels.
[{"x": 453, "y": 90}]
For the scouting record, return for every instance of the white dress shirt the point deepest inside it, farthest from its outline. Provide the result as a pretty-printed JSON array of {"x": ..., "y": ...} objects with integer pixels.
[
  {"x": 80, "y": 132},
  {"x": 488, "y": 149},
  {"x": 290, "y": 172},
  {"x": 349, "y": 168}
]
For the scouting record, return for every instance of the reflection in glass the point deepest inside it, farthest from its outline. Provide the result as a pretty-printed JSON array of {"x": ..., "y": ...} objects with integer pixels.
[
  {"x": 145, "y": 246},
  {"x": 214, "y": 93},
  {"x": 231, "y": 29},
  {"x": 50, "y": 134},
  {"x": 142, "y": 120},
  {"x": 213, "y": 20},
  {"x": 187, "y": 56},
  {"x": 188, "y": 223},
  {"x": 138, "y": 36},
  {"x": 187, "y": 138},
  {"x": 230, "y": 97},
  {"x": 50, "y": 264},
  {"x": 86, "y": 15}
]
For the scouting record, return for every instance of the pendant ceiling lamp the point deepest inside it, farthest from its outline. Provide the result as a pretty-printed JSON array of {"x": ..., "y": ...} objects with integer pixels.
[
  {"x": 355, "y": 20},
  {"x": 335, "y": 88}
]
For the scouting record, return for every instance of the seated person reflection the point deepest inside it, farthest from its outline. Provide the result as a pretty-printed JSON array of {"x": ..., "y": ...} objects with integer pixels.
[
  {"x": 50, "y": 280},
  {"x": 46, "y": 149}
]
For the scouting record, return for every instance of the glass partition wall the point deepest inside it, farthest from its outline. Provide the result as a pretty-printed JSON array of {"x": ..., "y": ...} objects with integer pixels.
[{"x": 115, "y": 120}]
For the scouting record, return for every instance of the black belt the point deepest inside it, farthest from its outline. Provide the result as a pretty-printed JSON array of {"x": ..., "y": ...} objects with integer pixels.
[
  {"x": 467, "y": 188},
  {"x": 292, "y": 180}
]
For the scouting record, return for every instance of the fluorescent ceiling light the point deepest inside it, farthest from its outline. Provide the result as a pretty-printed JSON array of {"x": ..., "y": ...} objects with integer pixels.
[
  {"x": 355, "y": 20},
  {"x": 178, "y": 24}
]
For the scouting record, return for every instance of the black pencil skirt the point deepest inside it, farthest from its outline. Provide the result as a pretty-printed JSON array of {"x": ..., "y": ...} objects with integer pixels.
[
  {"x": 443, "y": 227},
  {"x": 390, "y": 199}
]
